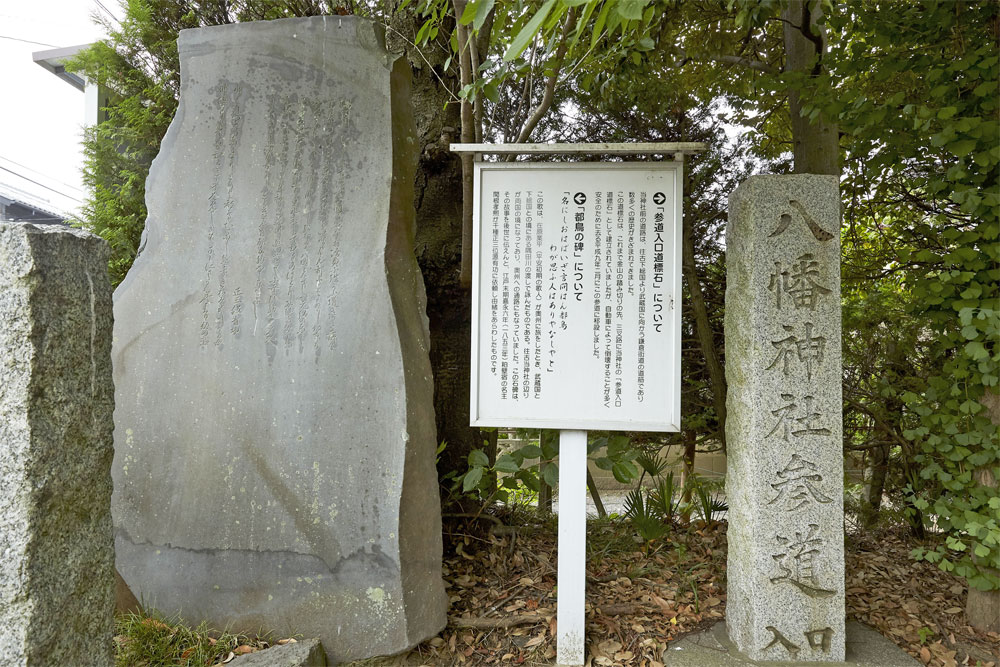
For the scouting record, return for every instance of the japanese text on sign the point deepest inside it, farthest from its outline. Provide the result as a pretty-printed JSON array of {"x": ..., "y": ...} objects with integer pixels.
[{"x": 576, "y": 296}]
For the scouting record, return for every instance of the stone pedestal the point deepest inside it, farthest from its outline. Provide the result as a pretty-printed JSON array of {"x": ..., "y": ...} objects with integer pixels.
[
  {"x": 785, "y": 459},
  {"x": 274, "y": 428},
  {"x": 56, "y": 404}
]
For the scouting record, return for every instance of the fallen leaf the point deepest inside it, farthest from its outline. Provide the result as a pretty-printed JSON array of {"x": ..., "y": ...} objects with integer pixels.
[
  {"x": 153, "y": 623},
  {"x": 243, "y": 649},
  {"x": 290, "y": 640}
]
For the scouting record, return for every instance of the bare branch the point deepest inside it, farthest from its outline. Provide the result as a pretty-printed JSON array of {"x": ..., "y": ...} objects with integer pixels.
[
  {"x": 727, "y": 60},
  {"x": 550, "y": 84}
]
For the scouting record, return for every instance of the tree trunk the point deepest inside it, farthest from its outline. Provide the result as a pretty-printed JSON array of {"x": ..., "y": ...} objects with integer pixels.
[
  {"x": 468, "y": 136},
  {"x": 876, "y": 485},
  {"x": 550, "y": 438},
  {"x": 703, "y": 327},
  {"x": 595, "y": 494},
  {"x": 687, "y": 485},
  {"x": 983, "y": 607},
  {"x": 438, "y": 204},
  {"x": 816, "y": 143}
]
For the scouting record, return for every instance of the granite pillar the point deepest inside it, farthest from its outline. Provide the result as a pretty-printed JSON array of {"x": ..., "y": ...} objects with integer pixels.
[
  {"x": 785, "y": 459},
  {"x": 56, "y": 405}
]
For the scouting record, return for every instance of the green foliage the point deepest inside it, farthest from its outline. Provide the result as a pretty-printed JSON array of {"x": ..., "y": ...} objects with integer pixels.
[
  {"x": 511, "y": 471},
  {"x": 644, "y": 516},
  {"x": 654, "y": 511},
  {"x": 922, "y": 114},
  {"x": 710, "y": 505},
  {"x": 138, "y": 62},
  {"x": 518, "y": 469},
  {"x": 619, "y": 455},
  {"x": 913, "y": 86}
]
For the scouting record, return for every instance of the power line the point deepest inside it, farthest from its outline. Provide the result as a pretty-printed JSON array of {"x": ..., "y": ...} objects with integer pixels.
[
  {"x": 35, "y": 171},
  {"x": 40, "y": 184},
  {"x": 28, "y": 41},
  {"x": 44, "y": 221},
  {"x": 107, "y": 11}
]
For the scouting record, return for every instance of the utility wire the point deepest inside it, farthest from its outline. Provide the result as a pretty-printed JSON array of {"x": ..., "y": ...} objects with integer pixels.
[
  {"x": 107, "y": 11},
  {"x": 28, "y": 41},
  {"x": 35, "y": 171},
  {"x": 40, "y": 184}
]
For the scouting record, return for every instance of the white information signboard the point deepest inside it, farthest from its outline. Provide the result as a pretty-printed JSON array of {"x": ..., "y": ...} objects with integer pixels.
[{"x": 576, "y": 296}]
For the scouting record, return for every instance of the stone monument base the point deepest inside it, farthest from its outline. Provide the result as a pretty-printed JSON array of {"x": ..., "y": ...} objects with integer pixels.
[{"x": 712, "y": 648}]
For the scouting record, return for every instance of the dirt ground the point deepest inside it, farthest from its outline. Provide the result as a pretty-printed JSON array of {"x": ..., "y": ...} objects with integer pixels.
[{"x": 641, "y": 597}]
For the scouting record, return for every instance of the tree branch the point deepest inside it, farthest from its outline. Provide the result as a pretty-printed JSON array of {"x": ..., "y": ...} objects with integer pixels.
[
  {"x": 550, "y": 84},
  {"x": 727, "y": 60}
]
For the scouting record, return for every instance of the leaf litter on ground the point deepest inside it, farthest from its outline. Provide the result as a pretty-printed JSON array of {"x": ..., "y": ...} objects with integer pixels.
[{"x": 640, "y": 597}]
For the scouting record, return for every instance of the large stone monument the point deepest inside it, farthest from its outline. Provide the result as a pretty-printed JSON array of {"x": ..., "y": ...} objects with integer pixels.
[
  {"x": 56, "y": 403},
  {"x": 785, "y": 457},
  {"x": 274, "y": 442}
]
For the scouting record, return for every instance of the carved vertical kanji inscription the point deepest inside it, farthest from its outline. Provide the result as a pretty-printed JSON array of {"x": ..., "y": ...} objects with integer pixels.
[
  {"x": 291, "y": 299},
  {"x": 784, "y": 419}
]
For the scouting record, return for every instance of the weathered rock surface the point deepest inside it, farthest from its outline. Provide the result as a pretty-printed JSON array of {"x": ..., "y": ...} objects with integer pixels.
[
  {"x": 783, "y": 430},
  {"x": 306, "y": 653},
  {"x": 56, "y": 405},
  {"x": 275, "y": 440},
  {"x": 865, "y": 647}
]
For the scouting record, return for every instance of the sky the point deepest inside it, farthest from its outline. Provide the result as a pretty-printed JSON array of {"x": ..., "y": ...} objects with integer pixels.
[{"x": 41, "y": 116}]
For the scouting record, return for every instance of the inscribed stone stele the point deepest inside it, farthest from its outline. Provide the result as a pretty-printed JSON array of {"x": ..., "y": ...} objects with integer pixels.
[{"x": 275, "y": 433}]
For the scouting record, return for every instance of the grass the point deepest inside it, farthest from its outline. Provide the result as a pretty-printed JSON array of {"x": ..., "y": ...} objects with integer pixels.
[{"x": 148, "y": 640}]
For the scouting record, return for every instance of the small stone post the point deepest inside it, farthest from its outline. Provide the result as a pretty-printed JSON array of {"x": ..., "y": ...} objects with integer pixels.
[
  {"x": 785, "y": 460},
  {"x": 56, "y": 405}
]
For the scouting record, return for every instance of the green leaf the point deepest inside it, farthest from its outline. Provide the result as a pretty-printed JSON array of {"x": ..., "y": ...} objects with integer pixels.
[
  {"x": 550, "y": 473},
  {"x": 976, "y": 350},
  {"x": 505, "y": 463},
  {"x": 602, "y": 18},
  {"x": 492, "y": 91},
  {"x": 483, "y": 9},
  {"x": 631, "y": 9},
  {"x": 470, "y": 12},
  {"x": 963, "y": 147},
  {"x": 527, "y": 33},
  {"x": 624, "y": 472},
  {"x": 531, "y": 451},
  {"x": 478, "y": 459},
  {"x": 604, "y": 463},
  {"x": 986, "y": 89},
  {"x": 422, "y": 33},
  {"x": 472, "y": 479}
]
